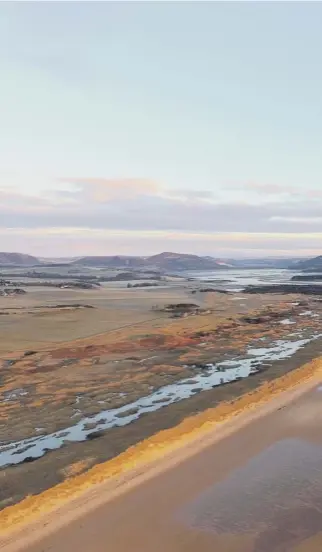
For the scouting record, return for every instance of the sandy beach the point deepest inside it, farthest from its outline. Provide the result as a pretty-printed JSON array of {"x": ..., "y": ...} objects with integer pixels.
[{"x": 252, "y": 484}]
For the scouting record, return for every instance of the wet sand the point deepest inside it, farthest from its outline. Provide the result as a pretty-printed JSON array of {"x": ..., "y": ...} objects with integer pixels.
[{"x": 259, "y": 489}]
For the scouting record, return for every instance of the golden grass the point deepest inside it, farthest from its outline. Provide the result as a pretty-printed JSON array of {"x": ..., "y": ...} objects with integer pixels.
[
  {"x": 152, "y": 448},
  {"x": 77, "y": 468}
]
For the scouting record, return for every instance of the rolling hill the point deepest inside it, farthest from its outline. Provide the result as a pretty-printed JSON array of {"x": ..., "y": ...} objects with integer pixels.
[
  {"x": 182, "y": 261},
  {"x": 17, "y": 259},
  {"x": 163, "y": 261},
  {"x": 314, "y": 265}
]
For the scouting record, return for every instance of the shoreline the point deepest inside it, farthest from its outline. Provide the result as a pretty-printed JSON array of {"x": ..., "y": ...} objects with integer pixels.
[{"x": 68, "y": 500}]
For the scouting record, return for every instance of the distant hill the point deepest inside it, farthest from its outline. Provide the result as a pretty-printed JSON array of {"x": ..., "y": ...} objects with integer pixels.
[
  {"x": 17, "y": 259},
  {"x": 183, "y": 261},
  {"x": 176, "y": 262},
  {"x": 163, "y": 261},
  {"x": 314, "y": 264}
]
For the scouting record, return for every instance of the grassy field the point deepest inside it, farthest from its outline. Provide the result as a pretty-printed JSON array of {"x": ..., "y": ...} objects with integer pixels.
[
  {"x": 29, "y": 321},
  {"x": 66, "y": 354}
]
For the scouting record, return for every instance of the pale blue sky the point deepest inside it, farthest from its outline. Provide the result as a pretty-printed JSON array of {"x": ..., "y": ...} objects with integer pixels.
[{"x": 219, "y": 105}]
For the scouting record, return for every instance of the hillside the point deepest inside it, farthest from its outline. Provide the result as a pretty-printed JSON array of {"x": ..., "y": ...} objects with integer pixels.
[
  {"x": 176, "y": 262},
  {"x": 166, "y": 261},
  {"x": 17, "y": 259},
  {"x": 163, "y": 261},
  {"x": 310, "y": 264},
  {"x": 182, "y": 261}
]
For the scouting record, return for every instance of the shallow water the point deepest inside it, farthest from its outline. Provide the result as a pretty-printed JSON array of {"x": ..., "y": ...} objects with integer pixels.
[
  {"x": 14, "y": 394},
  {"x": 211, "y": 376},
  {"x": 240, "y": 279}
]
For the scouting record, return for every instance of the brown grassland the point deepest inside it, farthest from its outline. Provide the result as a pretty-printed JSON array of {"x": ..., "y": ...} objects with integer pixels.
[{"x": 59, "y": 363}]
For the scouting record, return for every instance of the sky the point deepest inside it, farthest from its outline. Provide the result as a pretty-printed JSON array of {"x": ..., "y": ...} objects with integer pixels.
[{"x": 141, "y": 127}]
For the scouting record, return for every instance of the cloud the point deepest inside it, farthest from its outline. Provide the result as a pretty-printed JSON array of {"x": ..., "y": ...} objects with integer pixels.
[
  {"x": 314, "y": 193},
  {"x": 113, "y": 210},
  {"x": 298, "y": 220},
  {"x": 277, "y": 189},
  {"x": 101, "y": 190},
  {"x": 190, "y": 194},
  {"x": 80, "y": 241},
  {"x": 12, "y": 201},
  {"x": 135, "y": 204},
  {"x": 270, "y": 189}
]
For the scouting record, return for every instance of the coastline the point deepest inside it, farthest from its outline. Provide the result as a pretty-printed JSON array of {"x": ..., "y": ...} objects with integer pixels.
[{"x": 73, "y": 497}]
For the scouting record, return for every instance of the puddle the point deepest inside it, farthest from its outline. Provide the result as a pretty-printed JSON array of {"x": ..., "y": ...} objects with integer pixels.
[
  {"x": 235, "y": 290},
  {"x": 14, "y": 394},
  {"x": 212, "y": 375},
  {"x": 287, "y": 322},
  {"x": 277, "y": 494}
]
